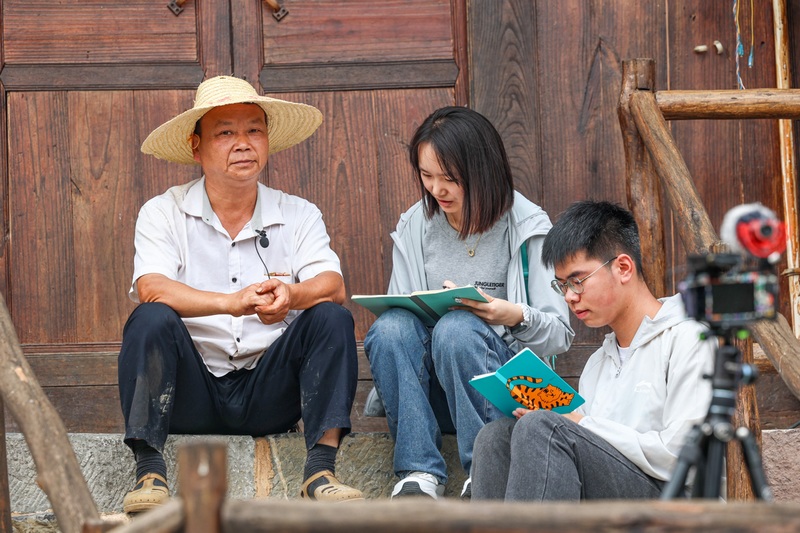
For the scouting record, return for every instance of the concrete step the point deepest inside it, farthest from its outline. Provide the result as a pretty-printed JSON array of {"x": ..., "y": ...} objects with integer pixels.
[{"x": 264, "y": 467}]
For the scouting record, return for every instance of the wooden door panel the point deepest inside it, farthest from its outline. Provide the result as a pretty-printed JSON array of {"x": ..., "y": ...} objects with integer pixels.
[
  {"x": 375, "y": 70},
  {"x": 101, "y": 166},
  {"x": 152, "y": 176},
  {"x": 398, "y": 114},
  {"x": 75, "y": 190},
  {"x": 360, "y": 44},
  {"x": 337, "y": 175},
  {"x": 41, "y": 297},
  {"x": 102, "y": 44},
  {"x": 582, "y": 152},
  {"x": 504, "y": 59},
  {"x": 331, "y": 31},
  {"x": 98, "y": 31}
]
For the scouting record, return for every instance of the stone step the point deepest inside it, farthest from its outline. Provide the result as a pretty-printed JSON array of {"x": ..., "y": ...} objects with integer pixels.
[
  {"x": 272, "y": 467},
  {"x": 264, "y": 467}
]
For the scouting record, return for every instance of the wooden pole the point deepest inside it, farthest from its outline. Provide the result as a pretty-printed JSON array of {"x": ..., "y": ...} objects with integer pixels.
[
  {"x": 167, "y": 518},
  {"x": 644, "y": 196},
  {"x": 729, "y": 104},
  {"x": 788, "y": 169},
  {"x": 100, "y": 526},
  {"x": 739, "y": 483},
  {"x": 5, "y": 496},
  {"x": 59, "y": 473},
  {"x": 202, "y": 484},
  {"x": 698, "y": 237},
  {"x": 448, "y": 516}
]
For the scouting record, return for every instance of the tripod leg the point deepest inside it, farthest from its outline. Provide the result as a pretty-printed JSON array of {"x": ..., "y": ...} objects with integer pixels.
[
  {"x": 690, "y": 455},
  {"x": 712, "y": 483},
  {"x": 752, "y": 457}
]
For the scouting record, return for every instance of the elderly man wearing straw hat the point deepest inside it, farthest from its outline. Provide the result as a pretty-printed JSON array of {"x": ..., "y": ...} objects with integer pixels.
[{"x": 240, "y": 328}]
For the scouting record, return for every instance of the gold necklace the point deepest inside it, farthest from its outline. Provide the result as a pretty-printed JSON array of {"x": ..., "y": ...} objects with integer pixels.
[{"x": 471, "y": 251}]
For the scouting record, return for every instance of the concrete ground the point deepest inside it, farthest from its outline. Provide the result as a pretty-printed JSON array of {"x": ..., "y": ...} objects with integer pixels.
[{"x": 272, "y": 467}]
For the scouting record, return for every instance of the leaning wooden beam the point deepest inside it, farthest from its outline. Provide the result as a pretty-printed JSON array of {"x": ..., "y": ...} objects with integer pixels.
[
  {"x": 59, "y": 474},
  {"x": 447, "y": 516},
  {"x": 695, "y": 229},
  {"x": 788, "y": 168},
  {"x": 694, "y": 226},
  {"x": 729, "y": 104}
]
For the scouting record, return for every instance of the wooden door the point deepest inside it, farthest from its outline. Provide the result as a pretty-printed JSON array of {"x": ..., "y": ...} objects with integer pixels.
[{"x": 84, "y": 81}]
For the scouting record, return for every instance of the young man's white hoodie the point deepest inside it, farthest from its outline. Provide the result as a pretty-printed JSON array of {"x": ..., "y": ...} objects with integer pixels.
[{"x": 646, "y": 406}]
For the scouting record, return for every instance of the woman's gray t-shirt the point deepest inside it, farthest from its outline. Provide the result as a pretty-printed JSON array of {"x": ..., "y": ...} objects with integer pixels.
[{"x": 447, "y": 257}]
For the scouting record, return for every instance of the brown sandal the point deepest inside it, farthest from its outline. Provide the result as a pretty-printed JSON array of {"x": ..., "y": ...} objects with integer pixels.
[
  {"x": 332, "y": 490},
  {"x": 150, "y": 491}
]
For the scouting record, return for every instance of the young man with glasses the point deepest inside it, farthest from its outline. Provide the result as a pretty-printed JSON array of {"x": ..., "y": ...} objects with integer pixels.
[{"x": 644, "y": 387}]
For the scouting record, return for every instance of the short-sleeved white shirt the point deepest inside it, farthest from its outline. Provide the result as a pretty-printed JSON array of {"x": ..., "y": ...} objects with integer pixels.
[{"x": 178, "y": 235}]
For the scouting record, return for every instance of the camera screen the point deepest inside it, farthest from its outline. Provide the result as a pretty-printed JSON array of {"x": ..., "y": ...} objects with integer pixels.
[{"x": 733, "y": 298}]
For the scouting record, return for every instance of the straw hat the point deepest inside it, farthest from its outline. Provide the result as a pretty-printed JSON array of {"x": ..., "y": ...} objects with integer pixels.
[{"x": 288, "y": 122}]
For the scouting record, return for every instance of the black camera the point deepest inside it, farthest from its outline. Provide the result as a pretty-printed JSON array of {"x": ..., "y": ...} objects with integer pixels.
[
  {"x": 719, "y": 292},
  {"x": 732, "y": 289}
]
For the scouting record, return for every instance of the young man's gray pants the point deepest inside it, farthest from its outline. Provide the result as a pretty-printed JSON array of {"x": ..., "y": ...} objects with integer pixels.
[{"x": 545, "y": 456}]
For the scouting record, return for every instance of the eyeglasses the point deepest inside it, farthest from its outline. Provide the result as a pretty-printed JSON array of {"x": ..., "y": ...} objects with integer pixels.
[{"x": 575, "y": 284}]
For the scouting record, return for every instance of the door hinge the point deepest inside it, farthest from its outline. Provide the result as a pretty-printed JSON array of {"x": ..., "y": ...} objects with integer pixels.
[
  {"x": 278, "y": 11},
  {"x": 176, "y": 6}
]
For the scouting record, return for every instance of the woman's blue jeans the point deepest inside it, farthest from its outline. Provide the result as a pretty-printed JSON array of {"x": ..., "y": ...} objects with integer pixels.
[{"x": 422, "y": 375}]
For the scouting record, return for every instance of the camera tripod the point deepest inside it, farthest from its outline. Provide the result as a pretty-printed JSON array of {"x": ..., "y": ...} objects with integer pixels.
[{"x": 706, "y": 444}]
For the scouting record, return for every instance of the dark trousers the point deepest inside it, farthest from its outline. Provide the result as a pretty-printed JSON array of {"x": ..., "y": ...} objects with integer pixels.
[{"x": 309, "y": 372}]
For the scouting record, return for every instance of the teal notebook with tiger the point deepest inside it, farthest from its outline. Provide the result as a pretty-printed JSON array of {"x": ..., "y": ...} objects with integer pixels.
[{"x": 526, "y": 381}]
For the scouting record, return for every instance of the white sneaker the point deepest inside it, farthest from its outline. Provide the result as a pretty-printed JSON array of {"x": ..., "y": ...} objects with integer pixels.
[
  {"x": 466, "y": 492},
  {"x": 418, "y": 484}
]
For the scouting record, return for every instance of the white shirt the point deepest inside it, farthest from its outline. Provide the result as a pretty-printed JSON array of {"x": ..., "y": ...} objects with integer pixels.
[{"x": 179, "y": 236}]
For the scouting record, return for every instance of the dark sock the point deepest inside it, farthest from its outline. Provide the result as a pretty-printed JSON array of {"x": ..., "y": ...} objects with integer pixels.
[
  {"x": 148, "y": 460},
  {"x": 320, "y": 457}
]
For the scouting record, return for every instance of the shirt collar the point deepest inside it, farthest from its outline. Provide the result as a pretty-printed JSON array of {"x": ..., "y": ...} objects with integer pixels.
[{"x": 267, "y": 211}]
